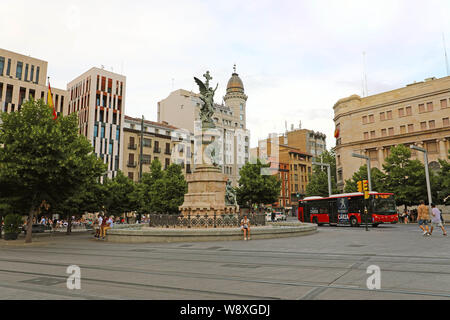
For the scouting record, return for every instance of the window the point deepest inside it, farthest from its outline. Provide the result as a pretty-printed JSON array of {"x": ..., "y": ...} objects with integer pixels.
[
  {"x": 364, "y": 119},
  {"x": 402, "y": 129},
  {"x": 366, "y": 135},
  {"x": 383, "y": 133},
  {"x": 372, "y": 134},
  {"x": 445, "y": 122},
  {"x": 443, "y": 102},
  {"x": 19, "y": 70},
  {"x": 431, "y": 124},
  {"x": 131, "y": 175},
  {"x": 410, "y": 128},
  {"x": 241, "y": 117},
  {"x": 117, "y": 134},
  {"x": 146, "y": 159},
  {"x": 37, "y": 74},
  {"x": 8, "y": 67},
  {"x": 423, "y": 125},
  {"x": 429, "y": 106},
  {"x": 95, "y": 130},
  {"x": 391, "y": 131},
  {"x": 408, "y": 111},
  {"x": 373, "y": 154},
  {"x": 241, "y": 107},
  {"x": 431, "y": 147},
  {"x": 2, "y": 65},
  {"x": 110, "y": 151},
  {"x": 421, "y": 108},
  {"x": 389, "y": 115},
  {"x": 401, "y": 112},
  {"x": 147, "y": 143},
  {"x": 382, "y": 116},
  {"x": 32, "y": 73},
  {"x": 371, "y": 118},
  {"x": 102, "y": 133}
]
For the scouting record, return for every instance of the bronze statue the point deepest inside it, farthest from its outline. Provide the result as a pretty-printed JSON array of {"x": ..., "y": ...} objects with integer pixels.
[
  {"x": 230, "y": 195},
  {"x": 207, "y": 96}
]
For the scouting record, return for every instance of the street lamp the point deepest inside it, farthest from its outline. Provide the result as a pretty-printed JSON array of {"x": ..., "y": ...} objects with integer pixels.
[
  {"x": 328, "y": 172},
  {"x": 427, "y": 175},
  {"x": 356, "y": 155}
]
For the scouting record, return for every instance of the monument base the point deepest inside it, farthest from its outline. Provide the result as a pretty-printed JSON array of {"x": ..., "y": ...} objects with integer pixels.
[{"x": 206, "y": 193}]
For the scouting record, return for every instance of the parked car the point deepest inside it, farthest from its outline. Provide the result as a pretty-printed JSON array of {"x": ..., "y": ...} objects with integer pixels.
[
  {"x": 268, "y": 216},
  {"x": 36, "y": 228},
  {"x": 280, "y": 216}
]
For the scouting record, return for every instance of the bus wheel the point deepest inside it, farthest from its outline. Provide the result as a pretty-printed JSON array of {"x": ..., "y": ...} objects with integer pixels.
[{"x": 353, "y": 221}]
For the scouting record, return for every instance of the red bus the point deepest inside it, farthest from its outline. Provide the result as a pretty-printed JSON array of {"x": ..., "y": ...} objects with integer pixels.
[{"x": 348, "y": 209}]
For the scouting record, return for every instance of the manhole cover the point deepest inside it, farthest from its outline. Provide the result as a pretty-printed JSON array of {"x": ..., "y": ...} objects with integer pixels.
[{"x": 43, "y": 281}]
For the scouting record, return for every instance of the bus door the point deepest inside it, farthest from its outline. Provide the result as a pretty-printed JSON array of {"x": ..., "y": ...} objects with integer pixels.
[
  {"x": 332, "y": 211},
  {"x": 301, "y": 216}
]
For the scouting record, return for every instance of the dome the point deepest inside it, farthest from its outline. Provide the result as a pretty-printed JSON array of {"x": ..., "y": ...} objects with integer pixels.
[{"x": 235, "y": 84}]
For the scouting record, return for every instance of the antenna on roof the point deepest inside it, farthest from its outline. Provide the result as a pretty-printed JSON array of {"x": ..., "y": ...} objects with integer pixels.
[
  {"x": 445, "y": 54},
  {"x": 365, "y": 90}
]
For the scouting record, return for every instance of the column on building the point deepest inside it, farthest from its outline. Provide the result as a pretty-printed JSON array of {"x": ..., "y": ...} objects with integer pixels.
[{"x": 443, "y": 151}]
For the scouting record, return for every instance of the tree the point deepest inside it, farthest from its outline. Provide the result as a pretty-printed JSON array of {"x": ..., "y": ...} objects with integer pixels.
[
  {"x": 376, "y": 175},
  {"x": 443, "y": 182},
  {"x": 174, "y": 188},
  {"x": 405, "y": 177},
  {"x": 256, "y": 188},
  {"x": 119, "y": 197},
  {"x": 43, "y": 159},
  {"x": 318, "y": 181}
]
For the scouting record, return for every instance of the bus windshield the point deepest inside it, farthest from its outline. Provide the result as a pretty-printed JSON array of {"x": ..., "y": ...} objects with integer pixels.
[{"x": 384, "y": 204}]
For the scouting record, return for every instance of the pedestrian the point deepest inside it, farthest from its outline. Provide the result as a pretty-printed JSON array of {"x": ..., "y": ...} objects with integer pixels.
[
  {"x": 422, "y": 217},
  {"x": 96, "y": 228},
  {"x": 245, "y": 226},
  {"x": 436, "y": 220}
]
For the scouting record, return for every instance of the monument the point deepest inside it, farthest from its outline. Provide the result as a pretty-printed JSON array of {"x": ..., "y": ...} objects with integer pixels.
[{"x": 209, "y": 192}]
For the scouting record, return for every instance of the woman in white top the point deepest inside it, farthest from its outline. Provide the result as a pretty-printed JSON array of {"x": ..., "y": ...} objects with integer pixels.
[{"x": 245, "y": 226}]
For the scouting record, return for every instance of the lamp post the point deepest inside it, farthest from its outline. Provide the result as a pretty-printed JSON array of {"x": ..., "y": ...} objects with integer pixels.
[
  {"x": 356, "y": 155},
  {"x": 328, "y": 173},
  {"x": 427, "y": 175}
]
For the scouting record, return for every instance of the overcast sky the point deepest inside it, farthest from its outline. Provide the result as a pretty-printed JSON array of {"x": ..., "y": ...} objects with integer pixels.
[{"x": 296, "y": 58}]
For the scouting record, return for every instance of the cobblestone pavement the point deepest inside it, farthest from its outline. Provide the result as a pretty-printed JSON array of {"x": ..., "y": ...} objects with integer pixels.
[{"x": 330, "y": 264}]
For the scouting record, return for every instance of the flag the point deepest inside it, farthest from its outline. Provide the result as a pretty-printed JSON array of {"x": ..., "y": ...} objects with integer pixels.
[
  {"x": 50, "y": 101},
  {"x": 336, "y": 133}
]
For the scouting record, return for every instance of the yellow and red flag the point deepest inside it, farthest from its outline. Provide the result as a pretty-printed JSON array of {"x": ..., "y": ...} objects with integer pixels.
[
  {"x": 336, "y": 133},
  {"x": 50, "y": 101}
]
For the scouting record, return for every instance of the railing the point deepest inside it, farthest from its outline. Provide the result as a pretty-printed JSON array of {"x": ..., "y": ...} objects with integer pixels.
[
  {"x": 132, "y": 146},
  {"x": 167, "y": 151},
  {"x": 131, "y": 164},
  {"x": 205, "y": 221},
  {"x": 157, "y": 150}
]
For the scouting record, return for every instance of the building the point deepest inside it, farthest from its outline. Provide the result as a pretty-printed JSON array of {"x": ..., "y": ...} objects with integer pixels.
[
  {"x": 416, "y": 114},
  {"x": 306, "y": 140},
  {"x": 182, "y": 109},
  {"x": 23, "y": 78},
  {"x": 292, "y": 165},
  {"x": 160, "y": 141},
  {"x": 98, "y": 97}
]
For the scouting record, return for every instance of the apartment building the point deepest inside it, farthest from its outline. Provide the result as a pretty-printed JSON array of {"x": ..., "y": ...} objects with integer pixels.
[
  {"x": 310, "y": 141},
  {"x": 98, "y": 97},
  {"x": 417, "y": 114},
  {"x": 22, "y": 78},
  {"x": 160, "y": 141}
]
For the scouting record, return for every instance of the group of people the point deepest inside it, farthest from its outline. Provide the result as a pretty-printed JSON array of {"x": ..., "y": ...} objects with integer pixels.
[
  {"x": 436, "y": 219},
  {"x": 101, "y": 224},
  {"x": 408, "y": 216}
]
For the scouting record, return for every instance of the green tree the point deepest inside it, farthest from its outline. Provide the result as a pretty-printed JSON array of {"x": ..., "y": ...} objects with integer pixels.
[
  {"x": 43, "y": 159},
  {"x": 119, "y": 195},
  {"x": 405, "y": 177},
  {"x": 376, "y": 175},
  {"x": 257, "y": 188},
  {"x": 318, "y": 181},
  {"x": 443, "y": 182}
]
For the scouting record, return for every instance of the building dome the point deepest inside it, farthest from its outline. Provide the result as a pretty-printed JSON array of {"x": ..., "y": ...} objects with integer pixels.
[{"x": 235, "y": 83}]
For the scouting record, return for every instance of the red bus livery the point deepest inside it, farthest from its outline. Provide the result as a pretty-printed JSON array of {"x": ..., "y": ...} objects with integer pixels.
[{"x": 348, "y": 209}]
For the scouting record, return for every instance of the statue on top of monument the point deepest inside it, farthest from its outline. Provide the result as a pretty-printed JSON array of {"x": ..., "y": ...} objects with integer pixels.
[{"x": 207, "y": 96}]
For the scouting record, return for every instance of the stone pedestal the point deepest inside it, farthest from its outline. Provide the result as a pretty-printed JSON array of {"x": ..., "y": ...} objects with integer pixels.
[{"x": 206, "y": 192}]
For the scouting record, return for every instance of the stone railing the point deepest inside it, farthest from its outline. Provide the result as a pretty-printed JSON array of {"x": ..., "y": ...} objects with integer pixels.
[{"x": 204, "y": 221}]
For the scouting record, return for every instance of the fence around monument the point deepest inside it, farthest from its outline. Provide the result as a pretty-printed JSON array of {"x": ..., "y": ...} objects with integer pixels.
[{"x": 204, "y": 221}]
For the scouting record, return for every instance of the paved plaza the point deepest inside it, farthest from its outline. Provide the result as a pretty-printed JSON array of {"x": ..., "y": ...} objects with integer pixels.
[{"x": 330, "y": 264}]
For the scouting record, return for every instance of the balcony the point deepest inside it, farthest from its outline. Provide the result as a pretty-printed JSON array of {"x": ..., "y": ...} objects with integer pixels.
[
  {"x": 168, "y": 152},
  {"x": 131, "y": 164},
  {"x": 157, "y": 150},
  {"x": 132, "y": 146}
]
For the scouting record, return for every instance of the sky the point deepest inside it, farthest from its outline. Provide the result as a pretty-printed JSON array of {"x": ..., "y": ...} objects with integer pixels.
[{"x": 295, "y": 58}]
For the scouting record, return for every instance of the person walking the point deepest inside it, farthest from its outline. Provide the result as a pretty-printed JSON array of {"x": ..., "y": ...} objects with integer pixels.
[
  {"x": 436, "y": 220},
  {"x": 422, "y": 217}
]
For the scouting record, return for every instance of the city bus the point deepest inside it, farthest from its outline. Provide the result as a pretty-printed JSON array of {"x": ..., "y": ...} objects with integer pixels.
[{"x": 348, "y": 209}]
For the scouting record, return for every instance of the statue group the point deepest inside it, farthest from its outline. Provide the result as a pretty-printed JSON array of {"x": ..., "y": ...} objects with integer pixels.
[{"x": 207, "y": 96}]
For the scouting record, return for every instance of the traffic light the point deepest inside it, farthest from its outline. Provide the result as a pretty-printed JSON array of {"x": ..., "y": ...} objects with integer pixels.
[
  {"x": 360, "y": 188},
  {"x": 366, "y": 189}
]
